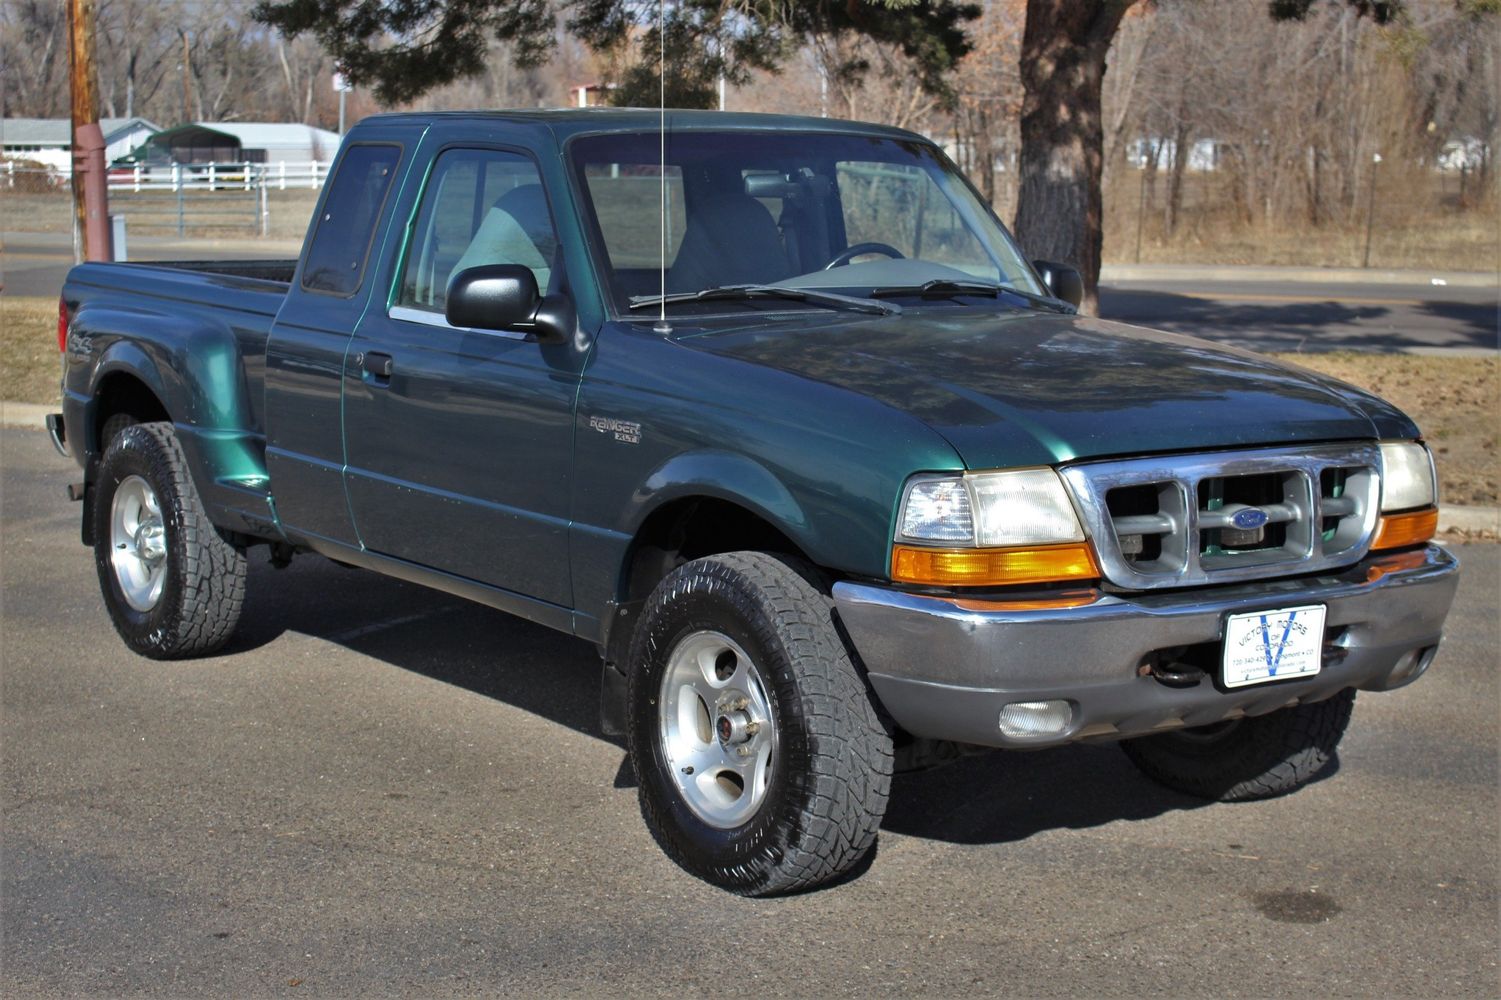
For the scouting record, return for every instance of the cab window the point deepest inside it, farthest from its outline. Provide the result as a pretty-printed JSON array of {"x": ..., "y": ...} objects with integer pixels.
[
  {"x": 336, "y": 255},
  {"x": 901, "y": 206},
  {"x": 480, "y": 207}
]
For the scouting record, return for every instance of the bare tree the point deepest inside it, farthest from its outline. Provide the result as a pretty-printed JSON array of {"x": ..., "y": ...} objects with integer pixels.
[{"x": 34, "y": 58}]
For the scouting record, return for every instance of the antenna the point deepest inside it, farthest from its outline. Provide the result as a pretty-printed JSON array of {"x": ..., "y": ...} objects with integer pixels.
[{"x": 662, "y": 326}]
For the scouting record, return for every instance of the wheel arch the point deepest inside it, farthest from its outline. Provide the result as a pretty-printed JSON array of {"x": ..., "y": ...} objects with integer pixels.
[
  {"x": 126, "y": 381},
  {"x": 682, "y": 527}
]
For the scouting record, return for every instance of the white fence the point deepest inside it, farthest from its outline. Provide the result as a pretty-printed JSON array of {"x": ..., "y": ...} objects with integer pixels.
[{"x": 279, "y": 176}]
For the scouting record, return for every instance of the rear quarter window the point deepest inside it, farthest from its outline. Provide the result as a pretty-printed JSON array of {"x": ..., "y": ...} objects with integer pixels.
[{"x": 340, "y": 244}]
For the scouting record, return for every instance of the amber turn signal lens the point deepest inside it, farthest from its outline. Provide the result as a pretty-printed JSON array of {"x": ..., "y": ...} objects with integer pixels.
[
  {"x": 1396, "y": 530},
  {"x": 993, "y": 567}
]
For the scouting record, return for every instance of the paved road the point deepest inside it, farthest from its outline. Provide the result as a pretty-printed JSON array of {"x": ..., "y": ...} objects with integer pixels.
[
  {"x": 1267, "y": 316},
  {"x": 380, "y": 790},
  {"x": 36, "y": 263},
  {"x": 1306, "y": 316}
]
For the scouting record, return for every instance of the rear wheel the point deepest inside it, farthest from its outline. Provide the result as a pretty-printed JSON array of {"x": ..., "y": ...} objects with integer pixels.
[
  {"x": 173, "y": 585},
  {"x": 764, "y": 766},
  {"x": 1244, "y": 759}
]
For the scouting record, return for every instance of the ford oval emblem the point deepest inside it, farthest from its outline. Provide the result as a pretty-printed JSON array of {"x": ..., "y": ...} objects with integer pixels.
[{"x": 1250, "y": 518}]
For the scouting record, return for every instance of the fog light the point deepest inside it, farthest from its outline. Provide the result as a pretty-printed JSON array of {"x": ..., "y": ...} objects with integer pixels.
[{"x": 1036, "y": 718}]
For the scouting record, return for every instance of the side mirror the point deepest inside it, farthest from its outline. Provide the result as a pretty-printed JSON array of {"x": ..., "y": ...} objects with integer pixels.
[
  {"x": 1063, "y": 282},
  {"x": 505, "y": 297}
]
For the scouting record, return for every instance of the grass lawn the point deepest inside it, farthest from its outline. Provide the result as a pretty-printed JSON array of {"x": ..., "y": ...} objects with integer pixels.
[{"x": 1456, "y": 400}]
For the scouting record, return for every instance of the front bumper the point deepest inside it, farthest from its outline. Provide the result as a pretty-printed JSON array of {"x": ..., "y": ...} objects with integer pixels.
[{"x": 945, "y": 667}]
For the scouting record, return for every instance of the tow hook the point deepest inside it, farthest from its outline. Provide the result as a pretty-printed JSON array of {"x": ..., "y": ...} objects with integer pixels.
[{"x": 1172, "y": 674}]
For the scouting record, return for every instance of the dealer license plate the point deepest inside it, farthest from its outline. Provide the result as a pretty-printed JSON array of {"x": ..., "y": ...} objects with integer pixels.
[{"x": 1266, "y": 646}]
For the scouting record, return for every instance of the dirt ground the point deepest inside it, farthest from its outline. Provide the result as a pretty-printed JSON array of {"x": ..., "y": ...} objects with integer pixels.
[{"x": 1455, "y": 400}]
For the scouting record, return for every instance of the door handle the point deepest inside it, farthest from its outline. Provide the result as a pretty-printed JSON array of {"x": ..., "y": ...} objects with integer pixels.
[{"x": 377, "y": 365}]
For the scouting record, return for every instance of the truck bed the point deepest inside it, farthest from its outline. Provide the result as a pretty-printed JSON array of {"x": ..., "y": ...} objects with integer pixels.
[
  {"x": 239, "y": 297},
  {"x": 278, "y": 271}
]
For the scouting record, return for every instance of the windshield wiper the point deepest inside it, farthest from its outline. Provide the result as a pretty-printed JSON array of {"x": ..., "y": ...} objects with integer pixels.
[
  {"x": 811, "y": 296},
  {"x": 945, "y": 287}
]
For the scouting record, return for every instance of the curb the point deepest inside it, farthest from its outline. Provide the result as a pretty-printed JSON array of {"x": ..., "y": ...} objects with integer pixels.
[
  {"x": 1305, "y": 275},
  {"x": 30, "y": 415},
  {"x": 1470, "y": 520}
]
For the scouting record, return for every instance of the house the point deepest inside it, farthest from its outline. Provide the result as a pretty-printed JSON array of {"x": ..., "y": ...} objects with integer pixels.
[
  {"x": 1203, "y": 154},
  {"x": 50, "y": 140},
  {"x": 1463, "y": 153}
]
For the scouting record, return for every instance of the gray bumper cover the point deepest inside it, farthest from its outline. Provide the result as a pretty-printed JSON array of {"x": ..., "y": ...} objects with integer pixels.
[{"x": 944, "y": 670}]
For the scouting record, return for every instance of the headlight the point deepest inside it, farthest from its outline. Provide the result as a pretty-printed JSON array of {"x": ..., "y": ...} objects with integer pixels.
[
  {"x": 1409, "y": 496},
  {"x": 1407, "y": 479},
  {"x": 1020, "y": 507},
  {"x": 938, "y": 510},
  {"x": 990, "y": 529}
]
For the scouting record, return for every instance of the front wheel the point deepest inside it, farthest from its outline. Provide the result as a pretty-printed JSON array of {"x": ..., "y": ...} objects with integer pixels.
[
  {"x": 763, "y": 763},
  {"x": 173, "y": 585},
  {"x": 1244, "y": 759}
]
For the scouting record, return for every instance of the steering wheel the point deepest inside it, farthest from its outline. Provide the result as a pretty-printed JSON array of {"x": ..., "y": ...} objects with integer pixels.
[{"x": 861, "y": 249}]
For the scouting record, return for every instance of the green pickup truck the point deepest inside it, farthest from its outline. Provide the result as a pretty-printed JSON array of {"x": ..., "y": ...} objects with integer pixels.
[{"x": 774, "y": 412}]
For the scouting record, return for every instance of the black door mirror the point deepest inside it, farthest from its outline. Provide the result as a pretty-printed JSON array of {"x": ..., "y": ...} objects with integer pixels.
[
  {"x": 505, "y": 297},
  {"x": 1063, "y": 282}
]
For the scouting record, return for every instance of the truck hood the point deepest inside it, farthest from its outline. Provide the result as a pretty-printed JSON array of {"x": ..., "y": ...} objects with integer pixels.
[{"x": 1030, "y": 388}]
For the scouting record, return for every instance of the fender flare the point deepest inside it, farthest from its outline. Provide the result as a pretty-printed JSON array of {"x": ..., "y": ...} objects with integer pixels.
[{"x": 727, "y": 476}]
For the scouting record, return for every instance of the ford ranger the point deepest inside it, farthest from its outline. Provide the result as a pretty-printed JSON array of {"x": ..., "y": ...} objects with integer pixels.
[{"x": 774, "y": 412}]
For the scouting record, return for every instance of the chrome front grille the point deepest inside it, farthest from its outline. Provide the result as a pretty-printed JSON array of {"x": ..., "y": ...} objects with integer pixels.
[{"x": 1182, "y": 520}]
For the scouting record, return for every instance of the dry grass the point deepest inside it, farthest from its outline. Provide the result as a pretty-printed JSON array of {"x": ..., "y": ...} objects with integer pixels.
[
  {"x": 1456, "y": 242},
  {"x": 206, "y": 214},
  {"x": 30, "y": 369},
  {"x": 1420, "y": 221},
  {"x": 1456, "y": 400}
]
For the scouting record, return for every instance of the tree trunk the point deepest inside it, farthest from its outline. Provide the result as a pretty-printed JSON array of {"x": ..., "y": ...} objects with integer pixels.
[
  {"x": 984, "y": 154},
  {"x": 1181, "y": 152},
  {"x": 1059, "y": 213}
]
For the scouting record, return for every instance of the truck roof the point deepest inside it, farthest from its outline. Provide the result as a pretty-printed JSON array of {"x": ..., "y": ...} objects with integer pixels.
[{"x": 567, "y": 122}]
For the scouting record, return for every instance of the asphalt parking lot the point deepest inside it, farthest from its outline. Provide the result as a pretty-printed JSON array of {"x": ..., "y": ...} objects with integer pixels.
[{"x": 380, "y": 790}]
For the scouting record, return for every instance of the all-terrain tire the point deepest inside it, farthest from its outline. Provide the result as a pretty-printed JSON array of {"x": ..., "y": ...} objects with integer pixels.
[
  {"x": 1246, "y": 759},
  {"x": 830, "y": 774},
  {"x": 202, "y": 576}
]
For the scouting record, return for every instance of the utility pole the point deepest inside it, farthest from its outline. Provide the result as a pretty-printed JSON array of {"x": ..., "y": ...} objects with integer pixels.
[
  {"x": 342, "y": 86},
  {"x": 91, "y": 236},
  {"x": 1141, "y": 205},
  {"x": 187, "y": 70},
  {"x": 1370, "y": 210}
]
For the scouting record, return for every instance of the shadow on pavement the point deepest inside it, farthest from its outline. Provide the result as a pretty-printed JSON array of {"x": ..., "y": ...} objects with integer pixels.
[
  {"x": 1484, "y": 323},
  {"x": 1294, "y": 326},
  {"x": 994, "y": 798},
  {"x": 446, "y": 638}
]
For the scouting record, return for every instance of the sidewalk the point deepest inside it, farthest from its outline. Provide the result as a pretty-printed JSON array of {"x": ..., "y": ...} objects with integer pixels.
[
  {"x": 1308, "y": 275},
  {"x": 1484, "y": 521}
]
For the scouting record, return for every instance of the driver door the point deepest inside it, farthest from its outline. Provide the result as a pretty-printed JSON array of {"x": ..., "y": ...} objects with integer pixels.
[{"x": 460, "y": 441}]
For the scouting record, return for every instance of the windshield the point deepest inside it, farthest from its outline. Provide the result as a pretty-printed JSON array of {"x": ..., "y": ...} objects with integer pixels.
[{"x": 845, "y": 213}]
